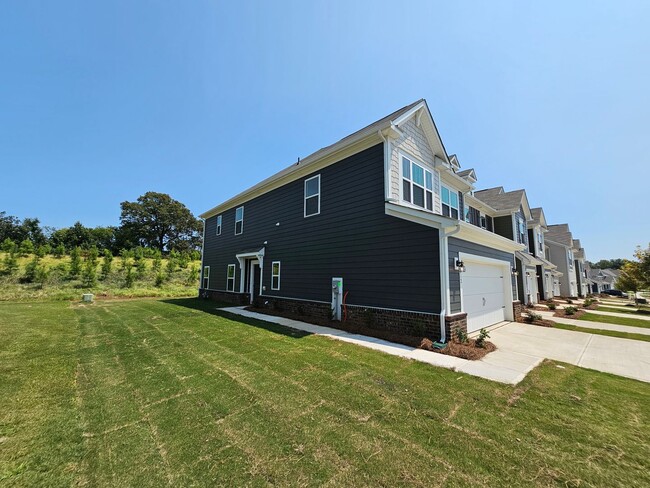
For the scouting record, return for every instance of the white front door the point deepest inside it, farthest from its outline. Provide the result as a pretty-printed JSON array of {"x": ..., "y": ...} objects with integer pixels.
[
  {"x": 253, "y": 271},
  {"x": 483, "y": 294}
]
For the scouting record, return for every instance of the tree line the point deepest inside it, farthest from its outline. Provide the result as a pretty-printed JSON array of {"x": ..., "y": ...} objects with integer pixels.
[{"x": 155, "y": 221}]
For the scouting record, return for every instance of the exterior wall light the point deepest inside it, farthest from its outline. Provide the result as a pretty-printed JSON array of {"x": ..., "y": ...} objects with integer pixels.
[
  {"x": 514, "y": 271},
  {"x": 459, "y": 265}
]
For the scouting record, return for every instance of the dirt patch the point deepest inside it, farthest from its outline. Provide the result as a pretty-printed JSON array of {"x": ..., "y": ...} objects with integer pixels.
[
  {"x": 540, "y": 322},
  {"x": 467, "y": 350},
  {"x": 562, "y": 314}
]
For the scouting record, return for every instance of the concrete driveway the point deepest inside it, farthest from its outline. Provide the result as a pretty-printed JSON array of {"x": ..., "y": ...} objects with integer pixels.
[{"x": 623, "y": 357}]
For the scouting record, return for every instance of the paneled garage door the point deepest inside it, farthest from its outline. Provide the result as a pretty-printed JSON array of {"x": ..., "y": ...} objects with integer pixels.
[{"x": 483, "y": 296}]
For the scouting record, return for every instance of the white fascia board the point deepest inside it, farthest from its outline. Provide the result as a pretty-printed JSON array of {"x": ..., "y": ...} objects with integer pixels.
[
  {"x": 448, "y": 175},
  {"x": 471, "y": 233},
  {"x": 480, "y": 205},
  {"x": 420, "y": 216},
  {"x": 319, "y": 160}
]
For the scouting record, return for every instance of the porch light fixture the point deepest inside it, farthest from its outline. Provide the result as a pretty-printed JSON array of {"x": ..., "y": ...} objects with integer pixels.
[
  {"x": 514, "y": 271},
  {"x": 459, "y": 265}
]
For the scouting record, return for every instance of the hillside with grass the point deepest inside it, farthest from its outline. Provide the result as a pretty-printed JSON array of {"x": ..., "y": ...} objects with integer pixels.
[{"x": 134, "y": 273}]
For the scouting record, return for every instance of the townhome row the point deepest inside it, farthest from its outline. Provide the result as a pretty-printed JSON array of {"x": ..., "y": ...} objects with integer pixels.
[{"x": 384, "y": 229}]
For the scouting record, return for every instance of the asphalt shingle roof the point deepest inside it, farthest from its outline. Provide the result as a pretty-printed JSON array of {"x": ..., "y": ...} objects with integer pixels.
[
  {"x": 560, "y": 233},
  {"x": 500, "y": 200}
]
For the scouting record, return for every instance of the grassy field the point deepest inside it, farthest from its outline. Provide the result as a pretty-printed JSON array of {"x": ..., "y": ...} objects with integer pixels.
[
  {"x": 173, "y": 393},
  {"x": 58, "y": 287},
  {"x": 610, "y": 333},
  {"x": 609, "y": 319}
]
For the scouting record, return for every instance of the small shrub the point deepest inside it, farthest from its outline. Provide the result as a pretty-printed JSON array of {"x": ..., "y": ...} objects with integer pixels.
[
  {"x": 42, "y": 251},
  {"x": 530, "y": 305},
  {"x": 125, "y": 256},
  {"x": 41, "y": 275},
  {"x": 107, "y": 264},
  {"x": 26, "y": 248},
  {"x": 31, "y": 270},
  {"x": 89, "y": 273},
  {"x": 480, "y": 340},
  {"x": 129, "y": 279},
  {"x": 568, "y": 300},
  {"x": 461, "y": 335},
  {"x": 588, "y": 302},
  {"x": 172, "y": 263},
  {"x": 531, "y": 317},
  {"x": 157, "y": 261},
  {"x": 59, "y": 251},
  {"x": 193, "y": 275},
  {"x": 552, "y": 306},
  {"x": 75, "y": 263},
  {"x": 141, "y": 267},
  {"x": 9, "y": 246},
  {"x": 9, "y": 264},
  {"x": 570, "y": 310},
  {"x": 183, "y": 260},
  {"x": 159, "y": 280}
]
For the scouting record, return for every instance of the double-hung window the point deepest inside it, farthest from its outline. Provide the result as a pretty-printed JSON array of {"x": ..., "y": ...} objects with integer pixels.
[
  {"x": 449, "y": 202},
  {"x": 206, "y": 277},
  {"x": 540, "y": 241},
  {"x": 417, "y": 184},
  {"x": 569, "y": 255},
  {"x": 230, "y": 278},
  {"x": 312, "y": 196},
  {"x": 275, "y": 275},
  {"x": 521, "y": 224},
  {"x": 219, "y": 219},
  {"x": 483, "y": 222},
  {"x": 239, "y": 220}
]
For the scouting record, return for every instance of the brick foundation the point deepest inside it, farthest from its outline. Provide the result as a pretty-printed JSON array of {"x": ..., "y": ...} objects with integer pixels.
[
  {"x": 225, "y": 296},
  {"x": 453, "y": 323},
  {"x": 517, "y": 309},
  {"x": 399, "y": 322},
  {"x": 417, "y": 324}
]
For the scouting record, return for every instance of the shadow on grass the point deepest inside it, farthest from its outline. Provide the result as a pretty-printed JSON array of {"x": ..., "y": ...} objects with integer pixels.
[{"x": 212, "y": 307}]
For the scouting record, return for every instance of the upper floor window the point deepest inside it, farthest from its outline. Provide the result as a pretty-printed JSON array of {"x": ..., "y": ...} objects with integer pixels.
[
  {"x": 569, "y": 256},
  {"x": 521, "y": 226},
  {"x": 540, "y": 241},
  {"x": 219, "y": 225},
  {"x": 483, "y": 222},
  {"x": 312, "y": 196},
  {"x": 417, "y": 184},
  {"x": 449, "y": 202},
  {"x": 239, "y": 220}
]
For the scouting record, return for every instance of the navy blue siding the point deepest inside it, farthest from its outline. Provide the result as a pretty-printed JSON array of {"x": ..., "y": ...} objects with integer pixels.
[
  {"x": 457, "y": 246},
  {"x": 384, "y": 261}
]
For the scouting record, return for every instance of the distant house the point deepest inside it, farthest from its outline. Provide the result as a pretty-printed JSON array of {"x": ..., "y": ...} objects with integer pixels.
[
  {"x": 561, "y": 253},
  {"x": 603, "y": 279},
  {"x": 382, "y": 228},
  {"x": 548, "y": 276}
]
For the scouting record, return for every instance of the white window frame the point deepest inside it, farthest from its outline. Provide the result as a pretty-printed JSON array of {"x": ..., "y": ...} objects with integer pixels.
[
  {"x": 219, "y": 222},
  {"x": 305, "y": 197},
  {"x": 412, "y": 183},
  {"x": 206, "y": 276},
  {"x": 273, "y": 275},
  {"x": 569, "y": 255},
  {"x": 229, "y": 279},
  {"x": 540, "y": 241},
  {"x": 451, "y": 191},
  {"x": 521, "y": 230},
  {"x": 241, "y": 220}
]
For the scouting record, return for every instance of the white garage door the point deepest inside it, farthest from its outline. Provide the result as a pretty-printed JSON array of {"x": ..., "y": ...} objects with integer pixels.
[{"x": 483, "y": 297}]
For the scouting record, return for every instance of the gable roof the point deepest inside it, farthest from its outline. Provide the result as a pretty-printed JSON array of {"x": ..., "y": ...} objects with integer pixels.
[
  {"x": 560, "y": 233},
  {"x": 538, "y": 216},
  {"x": 504, "y": 201},
  {"x": 357, "y": 141}
]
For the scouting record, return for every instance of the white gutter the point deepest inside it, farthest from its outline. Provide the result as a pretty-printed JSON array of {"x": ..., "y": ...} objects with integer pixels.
[
  {"x": 443, "y": 251},
  {"x": 387, "y": 156}
]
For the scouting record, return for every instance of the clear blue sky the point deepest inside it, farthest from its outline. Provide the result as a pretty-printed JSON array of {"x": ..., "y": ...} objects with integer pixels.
[{"x": 103, "y": 101}]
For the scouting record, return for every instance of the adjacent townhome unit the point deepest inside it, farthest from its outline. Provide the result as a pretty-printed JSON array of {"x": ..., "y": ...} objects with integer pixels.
[
  {"x": 603, "y": 279},
  {"x": 582, "y": 277},
  {"x": 370, "y": 230},
  {"x": 511, "y": 221},
  {"x": 560, "y": 245},
  {"x": 548, "y": 276}
]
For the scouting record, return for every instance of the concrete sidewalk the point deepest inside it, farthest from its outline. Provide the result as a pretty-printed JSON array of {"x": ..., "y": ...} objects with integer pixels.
[
  {"x": 587, "y": 324},
  {"x": 504, "y": 366},
  {"x": 623, "y": 357},
  {"x": 622, "y": 315}
]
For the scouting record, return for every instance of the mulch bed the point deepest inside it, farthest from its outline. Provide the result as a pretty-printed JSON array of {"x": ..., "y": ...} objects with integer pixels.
[
  {"x": 540, "y": 322},
  {"x": 467, "y": 350},
  {"x": 562, "y": 314}
]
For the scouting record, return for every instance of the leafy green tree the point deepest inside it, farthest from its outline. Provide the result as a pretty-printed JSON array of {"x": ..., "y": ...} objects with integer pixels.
[
  {"x": 172, "y": 263},
  {"x": 635, "y": 274},
  {"x": 193, "y": 275},
  {"x": 129, "y": 279},
  {"x": 30, "y": 270},
  {"x": 159, "y": 221},
  {"x": 157, "y": 261},
  {"x": 183, "y": 259},
  {"x": 89, "y": 272},
  {"x": 9, "y": 246},
  {"x": 26, "y": 248},
  {"x": 9, "y": 264},
  {"x": 43, "y": 250},
  {"x": 75, "y": 263},
  {"x": 107, "y": 264},
  {"x": 125, "y": 256},
  {"x": 59, "y": 251}
]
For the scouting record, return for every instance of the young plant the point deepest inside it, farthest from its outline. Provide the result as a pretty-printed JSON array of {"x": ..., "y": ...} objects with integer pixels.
[
  {"x": 59, "y": 251},
  {"x": 482, "y": 335},
  {"x": 75, "y": 263},
  {"x": 9, "y": 264},
  {"x": 160, "y": 279},
  {"x": 129, "y": 279},
  {"x": 30, "y": 270},
  {"x": 570, "y": 310},
  {"x": 532, "y": 317},
  {"x": 193, "y": 275},
  {"x": 26, "y": 247},
  {"x": 183, "y": 260},
  {"x": 107, "y": 264},
  {"x": 461, "y": 335},
  {"x": 156, "y": 265},
  {"x": 552, "y": 306},
  {"x": 9, "y": 246}
]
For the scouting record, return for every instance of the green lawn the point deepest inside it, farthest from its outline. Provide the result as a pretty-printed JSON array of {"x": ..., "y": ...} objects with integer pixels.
[
  {"x": 629, "y": 310},
  {"x": 171, "y": 393},
  {"x": 611, "y": 333},
  {"x": 609, "y": 319}
]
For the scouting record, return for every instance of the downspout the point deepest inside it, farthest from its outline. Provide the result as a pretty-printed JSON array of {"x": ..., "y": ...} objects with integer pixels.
[{"x": 443, "y": 248}]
